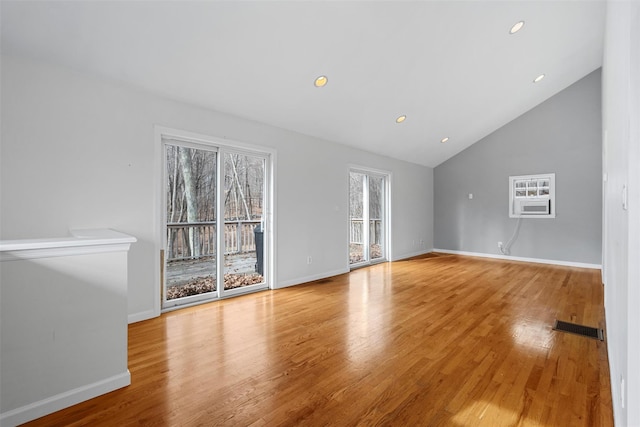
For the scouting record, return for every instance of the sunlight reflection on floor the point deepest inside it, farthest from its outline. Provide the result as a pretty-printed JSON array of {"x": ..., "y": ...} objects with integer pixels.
[
  {"x": 532, "y": 334},
  {"x": 367, "y": 334},
  {"x": 485, "y": 413}
]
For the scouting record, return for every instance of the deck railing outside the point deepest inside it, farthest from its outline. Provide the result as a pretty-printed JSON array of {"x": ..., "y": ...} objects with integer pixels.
[
  {"x": 356, "y": 228},
  {"x": 239, "y": 237},
  {"x": 198, "y": 239}
]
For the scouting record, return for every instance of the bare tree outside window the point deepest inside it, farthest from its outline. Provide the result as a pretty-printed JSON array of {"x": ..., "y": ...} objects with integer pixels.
[
  {"x": 366, "y": 214},
  {"x": 192, "y": 223}
]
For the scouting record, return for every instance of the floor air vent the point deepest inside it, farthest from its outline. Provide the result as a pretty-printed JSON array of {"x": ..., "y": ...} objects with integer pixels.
[{"x": 585, "y": 331}]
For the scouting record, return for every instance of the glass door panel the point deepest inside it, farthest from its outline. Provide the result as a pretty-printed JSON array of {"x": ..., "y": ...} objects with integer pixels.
[
  {"x": 190, "y": 250},
  {"x": 376, "y": 216},
  {"x": 367, "y": 218},
  {"x": 244, "y": 221},
  {"x": 357, "y": 233},
  {"x": 215, "y": 218}
]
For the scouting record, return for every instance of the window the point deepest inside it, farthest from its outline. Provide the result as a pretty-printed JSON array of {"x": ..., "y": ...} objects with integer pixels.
[
  {"x": 532, "y": 196},
  {"x": 215, "y": 221},
  {"x": 367, "y": 217}
]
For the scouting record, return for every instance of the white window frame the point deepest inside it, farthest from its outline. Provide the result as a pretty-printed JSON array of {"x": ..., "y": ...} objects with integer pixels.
[
  {"x": 388, "y": 176},
  {"x": 222, "y": 145},
  {"x": 532, "y": 189}
]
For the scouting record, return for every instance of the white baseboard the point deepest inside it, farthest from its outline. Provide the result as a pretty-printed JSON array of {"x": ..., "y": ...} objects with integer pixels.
[
  {"x": 320, "y": 276},
  {"x": 524, "y": 259},
  {"x": 311, "y": 278},
  {"x": 142, "y": 315},
  {"x": 411, "y": 255},
  {"x": 63, "y": 400}
]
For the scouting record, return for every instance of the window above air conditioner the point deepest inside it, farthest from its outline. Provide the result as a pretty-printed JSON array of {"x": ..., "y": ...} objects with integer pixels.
[{"x": 532, "y": 196}]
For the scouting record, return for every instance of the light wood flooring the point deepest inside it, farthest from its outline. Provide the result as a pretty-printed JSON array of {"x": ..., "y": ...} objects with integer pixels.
[{"x": 432, "y": 341}]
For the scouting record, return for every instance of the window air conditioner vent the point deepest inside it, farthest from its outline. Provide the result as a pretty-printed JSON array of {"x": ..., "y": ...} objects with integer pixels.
[{"x": 531, "y": 207}]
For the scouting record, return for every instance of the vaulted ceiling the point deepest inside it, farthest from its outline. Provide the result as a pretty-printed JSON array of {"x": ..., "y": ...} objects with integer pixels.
[{"x": 451, "y": 67}]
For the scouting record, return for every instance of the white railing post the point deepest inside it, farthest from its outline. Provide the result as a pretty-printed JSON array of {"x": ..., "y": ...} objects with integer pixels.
[{"x": 238, "y": 237}]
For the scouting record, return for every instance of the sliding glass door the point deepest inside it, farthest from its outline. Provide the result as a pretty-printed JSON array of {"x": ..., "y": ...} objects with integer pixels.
[
  {"x": 243, "y": 204},
  {"x": 215, "y": 200},
  {"x": 367, "y": 217},
  {"x": 191, "y": 227}
]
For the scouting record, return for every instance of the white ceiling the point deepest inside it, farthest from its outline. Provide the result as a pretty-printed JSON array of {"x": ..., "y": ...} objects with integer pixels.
[{"x": 450, "y": 66}]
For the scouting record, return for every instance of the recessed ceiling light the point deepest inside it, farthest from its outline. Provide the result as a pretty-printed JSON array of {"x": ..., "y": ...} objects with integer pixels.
[
  {"x": 537, "y": 79},
  {"x": 321, "y": 81},
  {"x": 401, "y": 119},
  {"x": 445, "y": 139},
  {"x": 516, "y": 27}
]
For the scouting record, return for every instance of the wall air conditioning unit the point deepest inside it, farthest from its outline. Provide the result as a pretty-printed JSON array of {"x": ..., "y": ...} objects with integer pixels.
[
  {"x": 532, "y": 207},
  {"x": 532, "y": 196}
]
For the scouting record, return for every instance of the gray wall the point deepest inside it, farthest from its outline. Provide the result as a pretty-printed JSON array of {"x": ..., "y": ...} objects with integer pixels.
[{"x": 561, "y": 136}]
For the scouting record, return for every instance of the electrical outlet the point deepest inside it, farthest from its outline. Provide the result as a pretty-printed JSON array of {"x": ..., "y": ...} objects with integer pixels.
[
  {"x": 309, "y": 260},
  {"x": 499, "y": 245}
]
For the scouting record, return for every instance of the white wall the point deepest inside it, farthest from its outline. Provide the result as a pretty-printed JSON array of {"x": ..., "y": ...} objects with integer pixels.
[
  {"x": 55, "y": 352},
  {"x": 621, "y": 245},
  {"x": 78, "y": 152}
]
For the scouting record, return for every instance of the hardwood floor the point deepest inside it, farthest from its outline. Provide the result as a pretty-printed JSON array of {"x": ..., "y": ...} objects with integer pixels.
[{"x": 433, "y": 341}]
